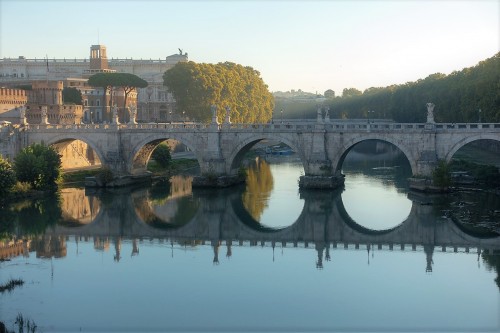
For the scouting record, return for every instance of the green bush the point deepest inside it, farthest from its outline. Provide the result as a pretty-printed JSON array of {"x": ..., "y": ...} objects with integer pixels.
[
  {"x": 38, "y": 165},
  {"x": 105, "y": 175},
  {"x": 7, "y": 178},
  {"x": 162, "y": 156},
  {"x": 441, "y": 174}
]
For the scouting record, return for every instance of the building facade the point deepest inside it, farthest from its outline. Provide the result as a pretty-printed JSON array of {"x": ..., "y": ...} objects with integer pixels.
[{"x": 154, "y": 103}]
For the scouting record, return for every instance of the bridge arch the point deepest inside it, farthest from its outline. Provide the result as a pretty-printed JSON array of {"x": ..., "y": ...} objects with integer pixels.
[
  {"x": 72, "y": 137},
  {"x": 464, "y": 141},
  {"x": 142, "y": 150},
  {"x": 337, "y": 165},
  {"x": 237, "y": 153}
]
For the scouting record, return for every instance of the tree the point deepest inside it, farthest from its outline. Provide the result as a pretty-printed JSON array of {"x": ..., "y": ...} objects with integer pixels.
[
  {"x": 458, "y": 97},
  {"x": 441, "y": 175},
  {"x": 7, "y": 177},
  {"x": 350, "y": 92},
  {"x": 198, "y": 86},
  {"x": 103, "y": 80},
  {"x": 329, "y": 93},
  {"x": 161, "y": 155},
  {"x": 38, "y": 165},
  {"x": 126, "y": 81},
  {"x": 72, "y": 95}
]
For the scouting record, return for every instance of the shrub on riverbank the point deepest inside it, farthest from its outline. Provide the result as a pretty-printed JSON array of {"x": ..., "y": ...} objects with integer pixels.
[
  {"x": 39, "y": 165},
  {"x": 487, "y": 175},
  {"x": 7, "y": 178}
]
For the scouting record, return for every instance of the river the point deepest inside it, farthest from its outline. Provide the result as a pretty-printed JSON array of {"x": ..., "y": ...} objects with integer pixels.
[{"x": 263, "y": 256}]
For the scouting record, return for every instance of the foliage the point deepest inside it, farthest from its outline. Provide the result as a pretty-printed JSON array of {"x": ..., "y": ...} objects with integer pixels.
[
  {"x": 492, "y": 262},
  {"x": 34, "y": 216},
  {"x": 441, "y": 174},
  {"x": 329, "y": 93},
  {"x": 198, "y": 86},
  {"x": 161, "y": 155},
  {"x": 488, "y": 175},
  {"x": 79, "y": 176},
  {"x": 72, "y": 95},
  {"x": 457, "y": 96},
  {"x": 11, "y": 284},
  {"x": 259, "y": 185},
  {"x": 38, "y": 165},
  {"x": 126, "y": 81},
  {"x": 7, "y": 178},
  {"x": 105, "y": 175},
  {"x": 21, "y": 189}
]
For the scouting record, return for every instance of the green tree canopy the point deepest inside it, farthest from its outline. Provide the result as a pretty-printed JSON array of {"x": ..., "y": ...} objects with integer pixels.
[
  {"x": 458, "y": 97},
  {"x": 126, "y": 81},
  {"x": 72, "y": 95},
  {"x": 38, "y": 165},
  {"x": 161, "y": 155},
  {"x": 198, "y": 86}
]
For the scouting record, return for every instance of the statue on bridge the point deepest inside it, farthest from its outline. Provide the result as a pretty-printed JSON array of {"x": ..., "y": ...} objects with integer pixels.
[
  {"x": 430, "y": 112},
  {"x": 327, "y": 114},
  {"x": 45, "y": 120},
  {"x": 228, "y": 116},
  {"x": 320, "y": 115},
  {"x": 22, "y": 115},
  {"x": 114, "y": 109},
  {"x": 133, "y": 114},
  {"x": 213, "y": 108}
]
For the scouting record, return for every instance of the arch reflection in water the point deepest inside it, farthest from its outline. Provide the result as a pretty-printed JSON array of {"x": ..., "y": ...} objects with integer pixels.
[
  {"x": 78, "y": 206},
  {"x": 167, "y": 203},
  {"x": 376, "y": 176},
  {"x": 323, "y": 221},
  {"x": 271, "y": 196}
]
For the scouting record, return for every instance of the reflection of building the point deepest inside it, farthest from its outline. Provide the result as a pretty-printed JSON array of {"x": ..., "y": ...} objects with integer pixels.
[
  {"x": 49, "y": 246},
  {"x": 14, "y": 248},
  {"x": 77, "y": 206},
  {"x": 101, "y": 243},
  {"x": 154, "y": 103}
]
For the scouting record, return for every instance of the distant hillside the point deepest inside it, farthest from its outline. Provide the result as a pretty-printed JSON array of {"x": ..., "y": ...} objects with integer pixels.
[{"x": 458, "y": 98}]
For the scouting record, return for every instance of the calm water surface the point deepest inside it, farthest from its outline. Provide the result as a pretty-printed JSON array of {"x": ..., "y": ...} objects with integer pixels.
[{"x": 261, "y": 257}]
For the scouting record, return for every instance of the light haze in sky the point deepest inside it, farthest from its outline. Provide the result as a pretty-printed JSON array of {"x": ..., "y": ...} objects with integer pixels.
[{"x": 308, "y": 45}]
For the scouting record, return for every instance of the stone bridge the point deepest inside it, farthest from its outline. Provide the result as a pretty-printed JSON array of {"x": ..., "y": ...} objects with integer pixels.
[{"x": 219, "y": 148}]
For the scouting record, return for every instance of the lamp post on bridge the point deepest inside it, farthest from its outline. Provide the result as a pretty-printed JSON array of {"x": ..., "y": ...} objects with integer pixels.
[
  {"x": 479, "y": 111},
  {"x": 281, "y": 116},
  {"x": 370, "y": 111}
]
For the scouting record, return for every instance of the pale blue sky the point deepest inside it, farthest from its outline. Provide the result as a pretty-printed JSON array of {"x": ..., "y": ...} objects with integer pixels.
[{"x": 308, "y": 45}]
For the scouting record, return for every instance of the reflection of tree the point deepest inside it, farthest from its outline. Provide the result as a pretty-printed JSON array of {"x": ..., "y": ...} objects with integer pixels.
[
  {"x": 492, "y": 263},
  {"x": 259, "y": 184},
  {"x": 36, "y": 215},
  {"x": 7, "y": 223}
]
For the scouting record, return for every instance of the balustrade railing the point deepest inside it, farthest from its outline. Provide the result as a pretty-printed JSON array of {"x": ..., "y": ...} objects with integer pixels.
[{"x": 286, "y": 127}]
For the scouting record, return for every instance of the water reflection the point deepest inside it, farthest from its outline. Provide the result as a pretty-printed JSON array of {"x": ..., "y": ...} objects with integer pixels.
[
  {"x": 215, "y": 216},
  {"x": 167, "y": 203},
  {"x": 271, "y": 195},
  {"x": 147, "y": 246},
  {"x": 259, "y": 184},
  {"x": 78, "y": 207},
  {"x": 376, "y": 176}
]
